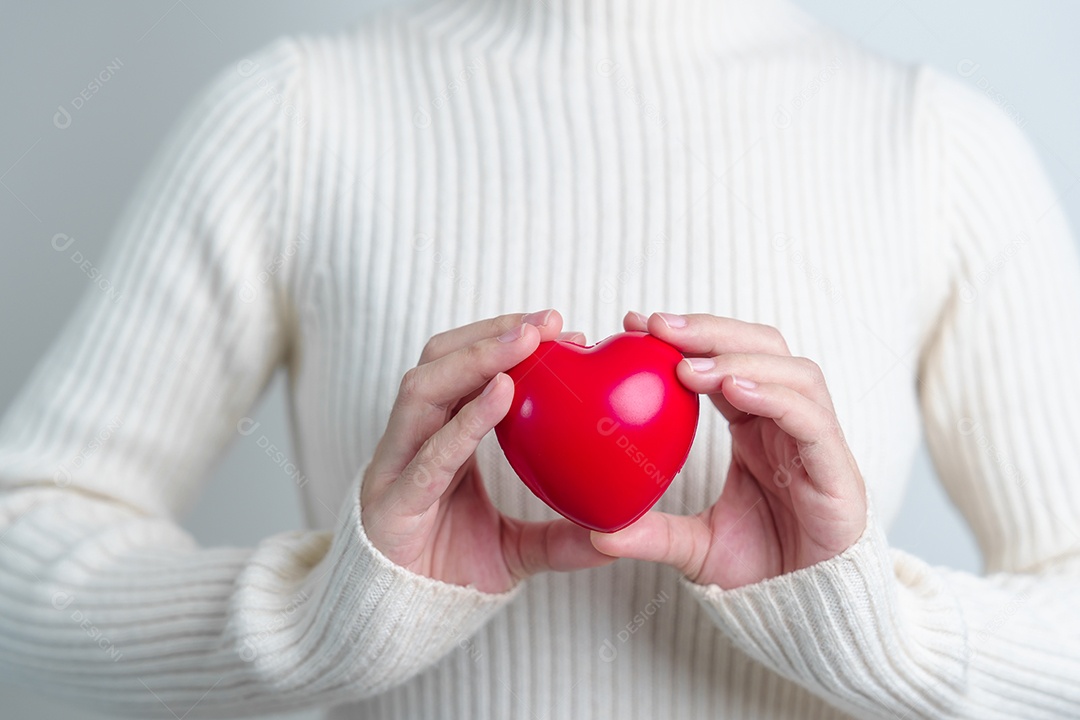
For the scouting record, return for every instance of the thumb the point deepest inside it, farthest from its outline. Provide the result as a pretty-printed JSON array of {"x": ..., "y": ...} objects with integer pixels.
[
  {"x": 554, "y": 545},
  {"x": 678, "y": 540}
]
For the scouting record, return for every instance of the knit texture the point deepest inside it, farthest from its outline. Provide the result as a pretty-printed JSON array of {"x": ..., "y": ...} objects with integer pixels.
[{"x": 330, "y": 202}]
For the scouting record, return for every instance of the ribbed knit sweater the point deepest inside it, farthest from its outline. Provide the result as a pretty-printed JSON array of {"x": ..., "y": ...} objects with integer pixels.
[{"x": 332, "y": 201}]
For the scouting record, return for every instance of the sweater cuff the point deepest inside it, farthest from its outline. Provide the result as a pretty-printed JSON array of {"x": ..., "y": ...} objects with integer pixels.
[
  {"x": 872, "y": 631},
  {"x": 376, "y": 624}
]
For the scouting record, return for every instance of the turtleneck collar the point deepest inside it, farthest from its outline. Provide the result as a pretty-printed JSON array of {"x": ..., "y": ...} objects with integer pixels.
[{"x": 718, "y": 25}]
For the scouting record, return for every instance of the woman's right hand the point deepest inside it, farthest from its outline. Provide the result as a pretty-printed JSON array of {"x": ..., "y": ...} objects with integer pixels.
[{"x": 423, "y": 501}]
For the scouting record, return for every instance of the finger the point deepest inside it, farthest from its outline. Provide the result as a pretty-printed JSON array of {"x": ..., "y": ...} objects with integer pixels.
[
  {"x": 429, "y": 391},
  {"x": 573, "y": 336},
  {"x": 635, "y": 321},
  {"x": 556, "y": 545},
  {"x": 548, "y": 322},
  {"x": 705, "y": 375},
  {"x": 441, "y": 382},
  {"x": 702, "y": 334},
  {"x": 678, "y": 540},
  {"x": 432, "y": 469},
  {"x": 822, "y": 450}
]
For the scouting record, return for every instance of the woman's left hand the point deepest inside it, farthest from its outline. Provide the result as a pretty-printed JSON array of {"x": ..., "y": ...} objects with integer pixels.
[{"x": 793, "y": 496}]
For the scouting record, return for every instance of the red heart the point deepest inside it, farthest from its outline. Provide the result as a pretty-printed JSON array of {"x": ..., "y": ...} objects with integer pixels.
[{"x": 598, "y": 433}]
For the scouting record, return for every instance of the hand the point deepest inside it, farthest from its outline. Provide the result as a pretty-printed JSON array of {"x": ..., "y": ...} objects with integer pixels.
[
  {"x": 423, "y": 501},
  {"x": 793, "y": 496}
]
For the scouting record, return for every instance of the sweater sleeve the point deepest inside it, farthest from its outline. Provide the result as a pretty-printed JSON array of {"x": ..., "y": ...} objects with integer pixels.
[
  {"x": 105, "y": 599},
  {"x": 880, "y": 633}
]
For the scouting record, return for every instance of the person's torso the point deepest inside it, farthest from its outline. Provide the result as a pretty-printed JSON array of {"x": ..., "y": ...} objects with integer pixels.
[{"x": 453, "y": 178}]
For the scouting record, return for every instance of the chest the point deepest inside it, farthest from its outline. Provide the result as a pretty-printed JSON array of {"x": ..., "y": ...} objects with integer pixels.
[{"x": 475, "y": 208}]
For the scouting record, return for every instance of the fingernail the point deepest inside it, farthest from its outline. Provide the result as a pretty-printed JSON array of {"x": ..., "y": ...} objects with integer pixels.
[
  {"x": 672, "y": 320},
  {"x": 641, "y": 318},
  {"x": 700, "y": 364},
  {"x": 491, "y": 384},
  {"x": 744, "y": 383},
  {"x": 513, "y": 334},
  {"x": 538, "y": 318}
]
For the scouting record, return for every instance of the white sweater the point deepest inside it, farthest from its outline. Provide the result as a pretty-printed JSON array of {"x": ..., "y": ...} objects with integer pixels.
[{"x": 331, "y": 202}]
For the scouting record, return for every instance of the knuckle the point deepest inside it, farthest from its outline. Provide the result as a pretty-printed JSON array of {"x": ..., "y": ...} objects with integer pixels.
[
  {"x": 733, "y": 362},
  {"x": 830, "y": 427},
  {"x": 411, "y": 383},
  {"x": 529, "y": 557},
  {"x": 694, "y": 554},
  {"x": 432, "y": 348},
  {"x": 812, "y": 370},
  {"x": 836, "y": 430},
  {"x": 509, "y": 320},
  {"x": 773, "y": 336},
  {"x": 482, "y": 360},
  {"x": 423, "y": 475},
  {"x": 424, "y": 468},
  {"x": 418, "y": 473},
  {"x": 452, "y": 440},
  {"x": 469, "y": 424},
  {"x": 430, "y": 452},
  {"x": 474, "y": 355},
  {"x": 502, "y": 323}
]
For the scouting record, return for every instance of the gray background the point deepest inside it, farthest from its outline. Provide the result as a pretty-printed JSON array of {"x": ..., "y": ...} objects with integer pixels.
[{"x": 76, "y": 180}]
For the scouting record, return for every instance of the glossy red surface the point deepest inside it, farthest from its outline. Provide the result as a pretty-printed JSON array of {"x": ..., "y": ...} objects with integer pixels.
[{"x": 598, "y": 433}]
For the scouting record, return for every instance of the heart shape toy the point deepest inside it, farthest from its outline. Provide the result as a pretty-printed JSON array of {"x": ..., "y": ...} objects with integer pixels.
[{"x": 598, "y": 433}]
